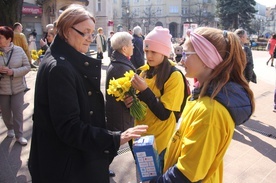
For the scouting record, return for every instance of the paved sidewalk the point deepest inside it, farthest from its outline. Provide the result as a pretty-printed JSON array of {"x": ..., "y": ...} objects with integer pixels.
[{"x": 251, "y": 157}]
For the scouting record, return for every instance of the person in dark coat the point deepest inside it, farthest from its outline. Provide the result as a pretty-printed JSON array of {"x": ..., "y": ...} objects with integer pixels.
[
  {"x": 110, "y": 49},
  {"x": 117, "y": 114},
  {"x": 70, "y": 142},
  {"x": 138, "y": 57},
  {"x": 248, "y": 71}
]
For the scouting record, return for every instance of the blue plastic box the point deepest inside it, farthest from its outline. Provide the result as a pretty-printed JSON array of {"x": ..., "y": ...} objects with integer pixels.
[{"x": 147, "y": 159}]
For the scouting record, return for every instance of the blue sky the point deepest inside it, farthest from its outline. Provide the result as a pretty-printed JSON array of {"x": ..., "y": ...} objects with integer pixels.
[{"x": 267, "y": 3}]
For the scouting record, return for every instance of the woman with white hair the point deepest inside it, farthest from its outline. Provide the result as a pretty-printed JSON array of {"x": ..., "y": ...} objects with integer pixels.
[
  {"x": 137, "y": 58},
  {"x": 117, "y": 114}
]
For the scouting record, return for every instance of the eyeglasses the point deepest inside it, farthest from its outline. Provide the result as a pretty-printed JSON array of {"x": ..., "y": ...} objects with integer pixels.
[
  {"x": 185, "y": 55},
  {"x": 85, "y": 35}
]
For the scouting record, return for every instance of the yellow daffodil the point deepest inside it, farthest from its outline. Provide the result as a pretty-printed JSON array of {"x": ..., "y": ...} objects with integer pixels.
[
  {"x": 118, "y": 88},
  {"x": 129, "y": 74},
  {"x": 1, "y": 53},
  {"x": 144, "y": 67},
  {"x": 36, "y": 54}
]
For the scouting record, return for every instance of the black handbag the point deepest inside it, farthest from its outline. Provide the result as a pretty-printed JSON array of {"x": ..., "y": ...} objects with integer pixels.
[{"x": 100, "y": 55}]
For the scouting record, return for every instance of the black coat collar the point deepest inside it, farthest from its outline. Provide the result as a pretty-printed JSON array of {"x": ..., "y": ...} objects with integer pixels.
[{"x": 89, "y": 68}]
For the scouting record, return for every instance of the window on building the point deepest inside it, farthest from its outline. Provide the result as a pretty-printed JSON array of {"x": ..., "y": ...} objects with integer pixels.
[
  {"x": 135, "y": 1},
  {"x": 136, "y": 11},
  {"x": 185, "y": 11},
  {"x": 146, "y": 10},
  {"x": 159, "y": 1},
  {"x": 99, "y": 5},
  {"x": 115, "y": 1},
  {"x": 173, "y": 9},
  {"x": 158, "y": 11}
]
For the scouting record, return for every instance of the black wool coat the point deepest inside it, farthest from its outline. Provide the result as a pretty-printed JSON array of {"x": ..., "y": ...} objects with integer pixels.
[
  {"x": 138, "y": 57},
  {"x": 70, "y": 143},
  {"x": 117, "y": 114}
]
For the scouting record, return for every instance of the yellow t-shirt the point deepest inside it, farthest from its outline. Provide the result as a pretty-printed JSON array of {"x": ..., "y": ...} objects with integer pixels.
[
  {"x": 201, "y": 140},
  {"x": 172, "y": 99},
  {"x": 19, "y": 39}
]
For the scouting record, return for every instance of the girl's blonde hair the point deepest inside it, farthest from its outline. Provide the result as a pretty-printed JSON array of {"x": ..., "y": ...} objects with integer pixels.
[{"x": 233, "y": 64}]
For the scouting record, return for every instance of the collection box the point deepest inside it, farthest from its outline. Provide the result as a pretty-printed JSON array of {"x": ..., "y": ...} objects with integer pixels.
[{"x": 146, "y": 157}]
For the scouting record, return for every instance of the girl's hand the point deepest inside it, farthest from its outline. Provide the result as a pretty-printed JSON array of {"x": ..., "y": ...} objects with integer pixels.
[
  {"x": 128, "y": 101},
  {"x": 139, "y": 83}
]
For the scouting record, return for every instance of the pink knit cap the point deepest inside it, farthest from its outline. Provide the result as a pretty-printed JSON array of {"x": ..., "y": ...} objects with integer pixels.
[{"x": 159, "y": 40}]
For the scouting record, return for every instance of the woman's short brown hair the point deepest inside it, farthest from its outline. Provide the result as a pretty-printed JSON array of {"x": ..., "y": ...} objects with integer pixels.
[
  {"x": 73, "y": 15},
  {"x": 7, "y": 32}
]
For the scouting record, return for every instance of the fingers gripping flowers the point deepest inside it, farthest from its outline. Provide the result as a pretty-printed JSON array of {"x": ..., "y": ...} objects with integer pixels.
[{"x": 121, "y": 87}]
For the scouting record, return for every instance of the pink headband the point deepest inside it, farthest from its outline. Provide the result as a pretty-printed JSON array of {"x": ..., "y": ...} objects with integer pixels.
[{"x": 205, "y": 50}]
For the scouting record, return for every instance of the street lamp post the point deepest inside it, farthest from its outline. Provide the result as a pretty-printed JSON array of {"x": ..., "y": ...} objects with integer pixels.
[{"x": 128, "y": 17}]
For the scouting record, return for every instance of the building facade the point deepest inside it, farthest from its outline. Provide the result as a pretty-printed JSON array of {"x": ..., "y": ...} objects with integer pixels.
[
  {"x": 31, "y": 19},
  {"x": 121, "y": 15},
  {"x": 102, "y": 10},
  {"x": 270, "y": 23},
  {"x": 36, "y": 14},
  {"x": 174, "y": 14}
]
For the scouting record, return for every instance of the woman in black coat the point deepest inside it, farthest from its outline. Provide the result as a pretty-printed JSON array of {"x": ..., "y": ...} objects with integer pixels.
[
  {"x": 138, "y": 57},
  {"x": 69, "y": 141},
  {"x": 248, "y": 71},
  {"x": 118, "y": 115}
]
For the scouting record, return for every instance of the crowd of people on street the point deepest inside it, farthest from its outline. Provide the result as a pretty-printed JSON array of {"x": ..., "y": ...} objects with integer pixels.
[{"x": 77, "y": 131}]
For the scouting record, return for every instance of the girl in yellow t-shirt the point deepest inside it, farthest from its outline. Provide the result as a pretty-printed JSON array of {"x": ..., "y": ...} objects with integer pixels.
[
  {"x": 160, "y": 117},
  {"x": 222, "y": 100}
]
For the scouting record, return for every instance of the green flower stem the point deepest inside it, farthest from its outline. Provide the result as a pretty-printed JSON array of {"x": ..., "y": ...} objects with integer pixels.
[{"x": 137, "y": 109}]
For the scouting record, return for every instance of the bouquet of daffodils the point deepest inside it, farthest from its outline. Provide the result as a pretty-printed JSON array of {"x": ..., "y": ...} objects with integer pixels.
[
  {"x": 36, "y": 54},
  {"x": 121, "y": 87}
]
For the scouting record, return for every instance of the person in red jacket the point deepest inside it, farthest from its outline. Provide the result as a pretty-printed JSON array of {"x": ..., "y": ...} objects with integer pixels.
[{"x": 271, "y": 49}]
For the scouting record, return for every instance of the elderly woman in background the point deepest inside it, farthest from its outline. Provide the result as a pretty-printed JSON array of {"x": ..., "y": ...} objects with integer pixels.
[
  {"x": 138, "y": 57},
  {"x": 118, "y": 115},
  {"x": 14, "y": 65},
  {"x": 248, "y": 71},
  {"x": 70, "y": 142}
]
